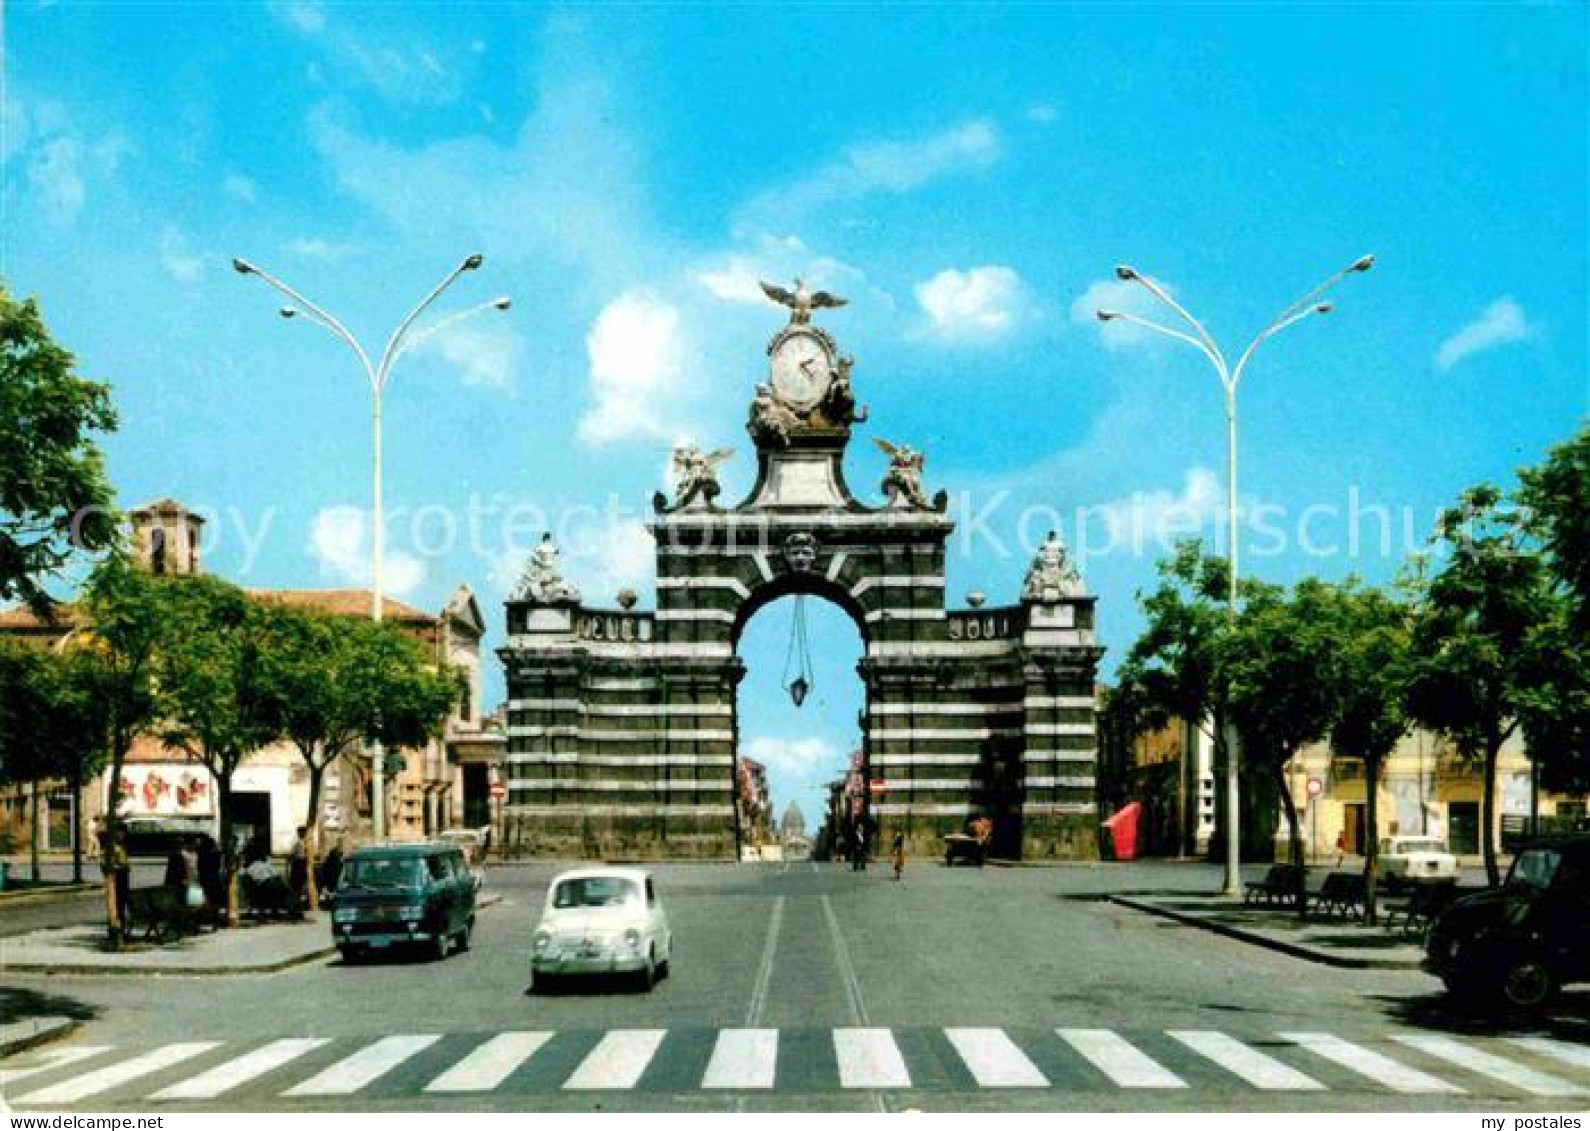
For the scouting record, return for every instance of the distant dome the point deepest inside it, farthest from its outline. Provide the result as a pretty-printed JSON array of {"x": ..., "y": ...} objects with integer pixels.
[{"x": 793, "y": 823}]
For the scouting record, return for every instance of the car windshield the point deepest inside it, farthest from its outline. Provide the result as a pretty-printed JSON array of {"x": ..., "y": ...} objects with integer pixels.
[
  {"x": 1534, "y": 868},
  {"x": 595, "y": 891},
  {"x": 383, "y": 872}
]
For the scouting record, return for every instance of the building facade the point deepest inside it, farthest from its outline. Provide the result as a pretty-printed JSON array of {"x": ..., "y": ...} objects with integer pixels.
[{"x": 622, "y": 725}]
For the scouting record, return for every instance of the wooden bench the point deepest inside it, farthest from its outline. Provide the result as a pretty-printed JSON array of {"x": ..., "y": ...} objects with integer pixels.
[
  {"x": 1426, "y": 901},
  {"x": 1341, "y": 895},
  {"x": 1280, "y": 885}
]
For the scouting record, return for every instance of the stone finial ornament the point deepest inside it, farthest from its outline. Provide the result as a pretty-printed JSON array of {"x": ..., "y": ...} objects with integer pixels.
[
  {"x": 543, "y": 581},
  {"x": 903, "y": 481},
  {"x": 627, "y": 599},
  {"x": 1051, "y": 575}
]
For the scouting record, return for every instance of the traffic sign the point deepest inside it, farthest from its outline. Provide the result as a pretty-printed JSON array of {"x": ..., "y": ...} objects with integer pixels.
[
  {"x": 878, "y": 786},
  {"x": 1315, "y": 787},
  {"x": 498, "y": 791}
]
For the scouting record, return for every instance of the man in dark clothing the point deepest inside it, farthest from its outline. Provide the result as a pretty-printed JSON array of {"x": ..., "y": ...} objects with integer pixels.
[{"x": 298, "y": 873}]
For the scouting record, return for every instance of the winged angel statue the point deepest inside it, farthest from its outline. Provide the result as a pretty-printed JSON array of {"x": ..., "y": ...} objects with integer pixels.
[
  {"x": 903, "y": 481},
  {"x": 694, "y": 471}
]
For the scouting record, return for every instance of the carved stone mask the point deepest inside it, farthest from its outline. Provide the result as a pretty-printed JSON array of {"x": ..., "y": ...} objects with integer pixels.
[{"x": 800, "y": 552}]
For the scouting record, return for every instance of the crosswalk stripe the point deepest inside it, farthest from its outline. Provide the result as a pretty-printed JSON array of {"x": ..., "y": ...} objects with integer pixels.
[
  {"x": 1264, "y": 1072},
  {"x": 1366, "y": 1062},
  {"x": 743, "y": 1058},
  {"x": 490, "y": 1064},
  {"x": 869, "y": 1058},
  {"x": 1122, "y": 1062},
  {"x": 1576, "y": 1055},
  {"x": 618, "y": 1060},
  {"x": 994, "y": 1060},
  {"x": 52, "y": 1058},
  {"x": 1489, "y": 1064},
  {"x": 250, "y": 1066},
  {"x": 369, "y": 1063},
  {"x": 111, "y": 1076}
]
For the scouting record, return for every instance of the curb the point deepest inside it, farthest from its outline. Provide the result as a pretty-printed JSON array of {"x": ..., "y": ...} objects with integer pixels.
[
  {"x": 303, "y": 959},
  {"x": 18, "y": 1036},
  {"x": 1000, "y": 862},
  {"x": 45, "y": 895},
  {"x": 1293, "y": 949}
]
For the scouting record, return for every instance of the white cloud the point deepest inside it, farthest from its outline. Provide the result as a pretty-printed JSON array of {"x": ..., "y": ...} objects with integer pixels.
[
  {"x": 636, "y": 352},
  {"x": 736, "y": 276},
  {"x": 339, "y": 542},
  {"x": 56, "y": 174},
  {"x": 305, "y": 17},
  {"x": 240, "y": 188},
  {"x": 1158, "y": 519},
  {"x": 888, "y": 167},
  {"x": 618, "y": 554},
  {"x": 1499, "y": 324},
  {"x": 394, "y": 67},
  {"x": 315, "y": 248},
  {"x": 61, "y": 163},
  {"x": 796, "y": 756},
  {"x": 1041, "y": 114},
  {"x": 179, "y": 259},
  {"x": 978, "y": 304},
  {"x": 484, "y": 355},
  {"x": 1119, "y": 295}
]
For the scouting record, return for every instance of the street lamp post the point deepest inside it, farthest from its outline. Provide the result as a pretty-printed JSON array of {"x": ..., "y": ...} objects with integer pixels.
[
  {"x": 377, "y": 374},
  {"x": 1201, "y": 340}
]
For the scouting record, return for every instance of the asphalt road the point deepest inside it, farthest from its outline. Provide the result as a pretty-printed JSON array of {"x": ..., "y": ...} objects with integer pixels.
[{"x": 993, "y": 989}]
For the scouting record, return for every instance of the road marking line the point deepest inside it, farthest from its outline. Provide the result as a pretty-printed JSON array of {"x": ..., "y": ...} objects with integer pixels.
[
  {"x": 250, "y": 1066},
  {"x": 618, "y": 1060},
  {"x": 994, "y": 1060},
  {"x": 104, "y": 1079},
  {"x": 1366, "y": 1062},
  {"x": 764, "y": 973},
  {"x": 869, "y": 1058},
  {"x": 1251, "y": 1065},
  {"x": 858, "y": 1005},
  {"x": 743, "y": 1058},
  {"x": 52, "y": 1058},
  {"x": 490, "y": 1064},
  {"x": 1122, "y": 1062},
  {"x": 368, "y": 1064},
  {"x": 1576, "y": 1055},
  {"x": 1489, "y": 1064}
]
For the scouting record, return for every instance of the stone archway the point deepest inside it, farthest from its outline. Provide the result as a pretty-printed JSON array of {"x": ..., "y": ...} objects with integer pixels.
[{"x": 621, "y": 723}]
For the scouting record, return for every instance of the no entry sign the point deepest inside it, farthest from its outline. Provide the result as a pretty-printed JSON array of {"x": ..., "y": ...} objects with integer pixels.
[{"x": 498, "y": 791}]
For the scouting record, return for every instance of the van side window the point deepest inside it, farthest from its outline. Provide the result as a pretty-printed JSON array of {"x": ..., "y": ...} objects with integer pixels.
[{"x": 438, "y": 868}]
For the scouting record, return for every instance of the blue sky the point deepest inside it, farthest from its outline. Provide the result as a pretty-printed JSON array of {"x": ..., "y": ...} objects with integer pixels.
[{"x": 967, "y": 177}]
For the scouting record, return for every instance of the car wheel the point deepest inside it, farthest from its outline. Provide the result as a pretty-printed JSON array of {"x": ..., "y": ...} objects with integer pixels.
[
  {"x": 1527, "y": 983},
  {"x": 648, "y": 973},
  {"x": 438, "y": 947},
  {"x": 350, "y": 955},
  {"x": 463, "y": 936}
]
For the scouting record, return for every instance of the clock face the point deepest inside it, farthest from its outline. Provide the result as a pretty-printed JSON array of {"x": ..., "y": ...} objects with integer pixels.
[{"x": 801, "y": 371}]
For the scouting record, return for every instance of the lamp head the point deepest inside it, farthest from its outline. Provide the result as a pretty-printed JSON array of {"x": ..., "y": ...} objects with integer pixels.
[
  {"x": 1125, "y": 273},
  {"x": 242, "y": 267},
  {"x": 1323, "y": 308},
  {"x": 1107, "y": 315},
  {"x": 502, "y": 303},
  {"x": 1364, "y": 264},
  {"x": 474, "y": 261},
  {"x": 288, "y": 312}
]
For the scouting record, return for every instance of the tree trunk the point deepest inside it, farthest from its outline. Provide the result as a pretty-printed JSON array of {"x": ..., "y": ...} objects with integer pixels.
[
  {"x": 1493, "y": 871},
  {"x": 1187, "y": 801},
  {"x": 1372, "y": 837},
  {"x": 77, "y": 825},
  {"x": 312, "y": 821},
  {"x": 1294, "y": 837},
  {"x": 33, "y": 839},
  {"x": 223, "y": 786},
  {"x": 109, "y": 840}
]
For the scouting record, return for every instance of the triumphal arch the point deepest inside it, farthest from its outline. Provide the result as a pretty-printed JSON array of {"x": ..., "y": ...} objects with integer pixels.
[{"x": 622, "y": 726}]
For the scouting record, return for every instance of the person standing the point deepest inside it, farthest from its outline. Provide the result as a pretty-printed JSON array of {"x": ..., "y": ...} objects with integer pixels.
[
  {"x": 298, "y": 873},
  {"x": 858, "y": 848},
  {"x": 897, "y": 855}
]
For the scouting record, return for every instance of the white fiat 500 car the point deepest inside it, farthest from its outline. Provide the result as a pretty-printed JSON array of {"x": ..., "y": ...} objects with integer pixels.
[
  {"x": 1414, "y": 859},
  {"x": 602, "y": 921}
]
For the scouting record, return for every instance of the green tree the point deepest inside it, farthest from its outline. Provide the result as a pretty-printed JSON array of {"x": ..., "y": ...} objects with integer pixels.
[
  {"x": 332, "y": 682},
  {"x": 122, "y": 618},
  {"x": 1372, "y": 665},
  {"x": 1485, "y": 605},
  {"x": 54, "y": 497},
  {"x": 1556, "y": 496},
  {"x": 213, "y": 704},
  {"x": 1276, "y": 666}
]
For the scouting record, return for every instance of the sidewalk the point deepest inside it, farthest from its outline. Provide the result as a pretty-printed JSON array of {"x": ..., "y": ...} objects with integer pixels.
[
  {"x": 254, "y": 948},
  {"x": 1330, "y": 942}
]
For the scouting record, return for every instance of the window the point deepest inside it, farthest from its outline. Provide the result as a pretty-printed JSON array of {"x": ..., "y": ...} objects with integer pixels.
[{"x": 594, "y": 891}]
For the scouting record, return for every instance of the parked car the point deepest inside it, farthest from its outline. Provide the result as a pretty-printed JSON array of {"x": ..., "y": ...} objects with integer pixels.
[
  {"x": 472, "y": 841},
  {"x": 1414, "y": 859},
  {"x": 408, "y": 895},
  {"x": 1516, "y": 945},
  {"x": 602, "y": 921}
]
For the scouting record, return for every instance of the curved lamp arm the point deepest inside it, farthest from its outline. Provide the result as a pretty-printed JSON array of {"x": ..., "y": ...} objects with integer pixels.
[
  {"x": 1211, "y": 347},
  {"x": 389, "y": 354},
  {"x": 244, "y": 267},
  {"x": 1180, "y": 335},
  {"x": 408, "y": 345},
  {"x": 1270, "y": 331}
]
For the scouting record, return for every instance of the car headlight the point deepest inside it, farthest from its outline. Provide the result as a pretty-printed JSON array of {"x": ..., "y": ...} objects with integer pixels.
[
  {"x": 543, "y": 939},
  {"x": 345, "y": 915},
  {"x": 632, "y": 939}
]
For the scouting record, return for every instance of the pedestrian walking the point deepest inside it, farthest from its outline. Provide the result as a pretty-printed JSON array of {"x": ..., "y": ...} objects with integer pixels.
[
  {"x": 1341, "y": 847},
  {"x": 298, "y": 873},
  {"x": 897, "y": 855},
  {"x": 858, "y": 849}
]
